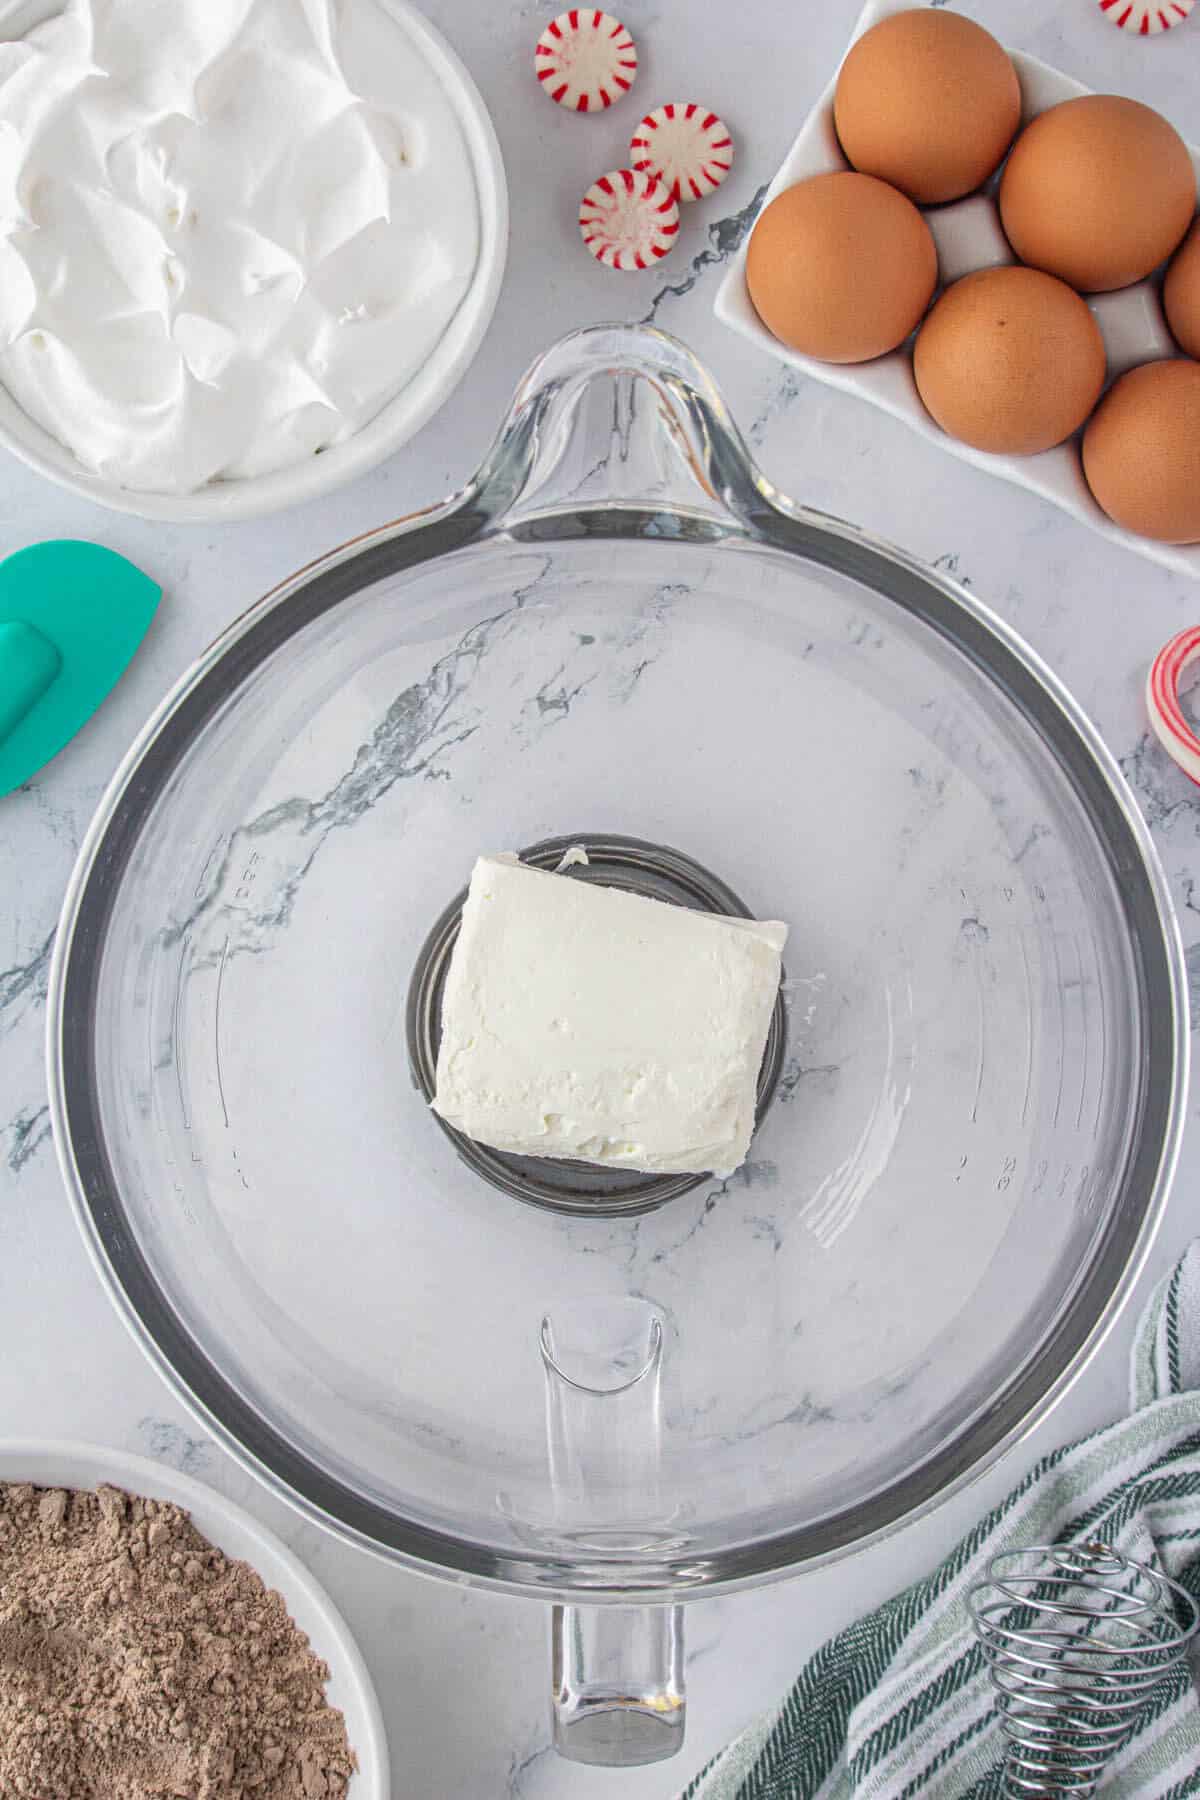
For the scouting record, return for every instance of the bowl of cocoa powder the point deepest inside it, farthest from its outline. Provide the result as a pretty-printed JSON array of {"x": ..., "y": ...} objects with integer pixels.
[{"x": 157, "y": 1643}]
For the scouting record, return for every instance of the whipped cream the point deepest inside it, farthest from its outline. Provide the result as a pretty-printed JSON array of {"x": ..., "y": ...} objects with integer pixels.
[
  {"x": 598, "y": 1026},
  {"x": 230, "y": 230}
]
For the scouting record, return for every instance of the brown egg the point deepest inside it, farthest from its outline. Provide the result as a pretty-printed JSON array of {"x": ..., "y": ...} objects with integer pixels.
[
  {"x": 1010, "y": 360},
  {"x": 841, "y": 267},
  {"x": 929, "y": 101},
  {"x": 1141, "y": 451},
  {"x": 1181, "y": 293},
  {"x": 1099, "y": 191}
]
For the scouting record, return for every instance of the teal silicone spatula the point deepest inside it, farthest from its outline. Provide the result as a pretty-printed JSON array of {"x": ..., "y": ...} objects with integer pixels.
[{"x": 71, "y": 616}]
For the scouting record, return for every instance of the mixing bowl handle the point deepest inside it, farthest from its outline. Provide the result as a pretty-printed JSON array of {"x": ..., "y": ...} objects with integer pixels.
[
  {"x": 616, "y": 1670},
  {"x": 618, "y": 1686},
  {"x": 619, "y": 416}
]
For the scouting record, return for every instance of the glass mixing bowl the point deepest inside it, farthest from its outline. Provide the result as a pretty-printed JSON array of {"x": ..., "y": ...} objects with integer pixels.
[{"x": 620, "y": 631}]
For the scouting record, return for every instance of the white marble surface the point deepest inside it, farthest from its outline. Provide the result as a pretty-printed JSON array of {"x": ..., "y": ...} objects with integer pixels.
[{"x": 462, "y": 1675}]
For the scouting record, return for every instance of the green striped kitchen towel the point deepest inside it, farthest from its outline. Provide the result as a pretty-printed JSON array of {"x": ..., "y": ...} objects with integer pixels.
[{"x": 900, "y": 1704}]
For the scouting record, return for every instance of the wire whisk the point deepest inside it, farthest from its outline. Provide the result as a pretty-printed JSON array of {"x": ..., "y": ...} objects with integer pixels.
[{"x": 1078, "y": 1639}]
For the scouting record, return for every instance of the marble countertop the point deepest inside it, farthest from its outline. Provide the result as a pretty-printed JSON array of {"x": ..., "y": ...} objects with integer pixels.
[{"x": 463, "y": 1675}]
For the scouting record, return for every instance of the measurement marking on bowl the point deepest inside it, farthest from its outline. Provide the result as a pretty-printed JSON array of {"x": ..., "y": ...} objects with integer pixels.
[
  {"x": 176, "y": 1038},
  {"x": 1103, "y": 1064},
  {"x": 1028, "y": 1028},
  {"x": 1083, "y": 1007},
  {"x": 242, "y": 891},
  {"x": 1062, "y": 1023},
  {"x": 217, "y": 1031},
  {"x": 981, "y": 1027}
]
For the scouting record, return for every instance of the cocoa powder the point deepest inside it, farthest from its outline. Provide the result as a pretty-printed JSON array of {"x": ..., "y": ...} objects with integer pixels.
[{"x": 139, "y": 1663}]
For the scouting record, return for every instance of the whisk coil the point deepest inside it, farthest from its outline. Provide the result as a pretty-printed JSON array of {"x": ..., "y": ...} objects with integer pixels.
[{"x": 1078, "y": 1639}]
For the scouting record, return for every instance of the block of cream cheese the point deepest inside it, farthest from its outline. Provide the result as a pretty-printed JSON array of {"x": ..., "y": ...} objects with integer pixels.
[{"x": 585, "y": 1023}]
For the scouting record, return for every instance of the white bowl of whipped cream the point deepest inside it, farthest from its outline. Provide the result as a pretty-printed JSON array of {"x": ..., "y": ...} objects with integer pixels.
[{"x": 247, "y": 247}]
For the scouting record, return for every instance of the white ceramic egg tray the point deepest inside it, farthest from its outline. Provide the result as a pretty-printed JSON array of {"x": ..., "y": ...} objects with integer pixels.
[{"x": 969, "y": 236}]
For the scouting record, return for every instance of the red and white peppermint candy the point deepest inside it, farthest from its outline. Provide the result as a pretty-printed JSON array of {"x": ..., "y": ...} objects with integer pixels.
[
  {"x": 686, "y": 146},
  {"x": 585, "y": 59},
  {"x": 1162, "y": 700},
  {"x": 628, "y": 219},
  {"x": 1146, "y": 20}
]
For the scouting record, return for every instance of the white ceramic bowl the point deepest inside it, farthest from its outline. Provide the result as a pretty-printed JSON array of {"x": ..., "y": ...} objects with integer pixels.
[
  {"x": 399, "y": 419},
  {"x": 68, "y": 1465},
  {"x": 969, "y": 236}
]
